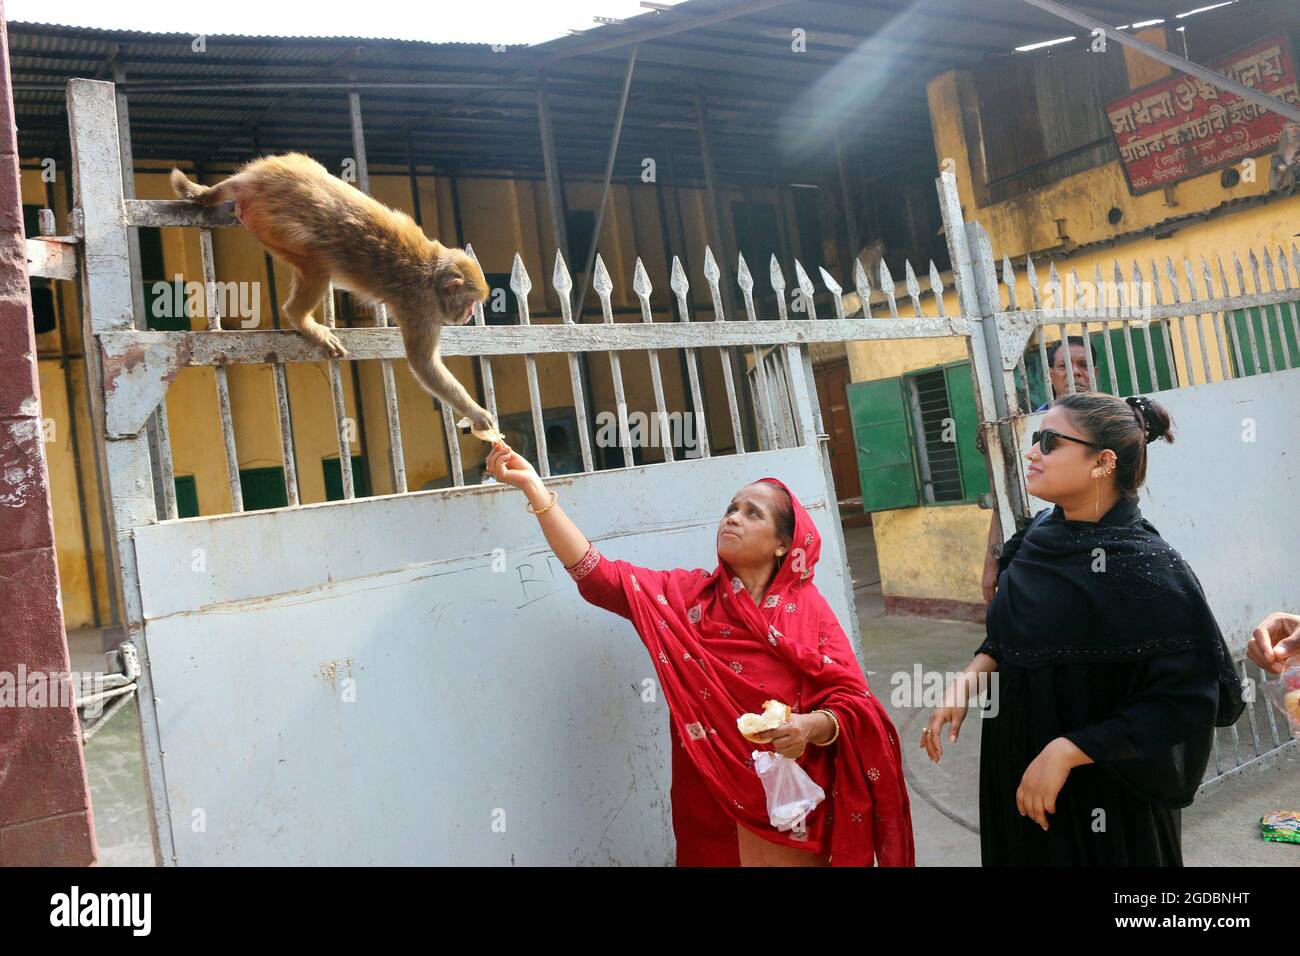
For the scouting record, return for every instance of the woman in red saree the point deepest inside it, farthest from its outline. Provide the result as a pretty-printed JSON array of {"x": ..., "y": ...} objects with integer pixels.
[{"x": 724, "y": 641}]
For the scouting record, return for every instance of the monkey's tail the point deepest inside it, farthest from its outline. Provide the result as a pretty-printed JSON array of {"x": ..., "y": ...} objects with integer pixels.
[{"x": 187, "y": 188}]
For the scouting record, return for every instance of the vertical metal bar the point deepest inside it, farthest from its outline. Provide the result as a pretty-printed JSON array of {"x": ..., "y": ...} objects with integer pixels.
[
  {"x": 396, "y": 455},
  {"x": 340, "y": 408},
  {"x": 887, "y": 287},
  {"x": 159, "y": 435},
  {"x": 485, "y": 364},
  {"x": 91, "y": 379},
  {"x": 563, "y": 284},
  {"x": 223, "y": 386},
  {"x": 1058, "y": 290},
  {"x": 1291, "y": 306},
  {"x": 862, "y": 284},
  {"x": 1104, "y": 312},
  {"x": 1250, "y": 712},
  {"x": 746, "y": 283},
  {"x": 604, "y": 287},
  {"x": 1142, "y": 311},
  {"x": 70, "y": 397},
  {"x": 712, "y": 275},
  {"x": 1009, "y": 280},
  {"x": 98, "y": 193},
  {"x": 609, "y": 174},
  {"x": 641, "y": 286},
  {"x": 1229, "y": 319},
  {"x": 1272, "y": 721},
  {"x": 1286, "y": 284},
  {"x": 1277, "y": 309},
  {"x": 282, "y": 397},
  {"x": 1126, "y": 319},
  {"x": 1263, "y": 320},
  {"x": 1218, "y": 326},
  {"x": 522, "y": 285},
  {"x": 976, "y": 280},
  {"x": 1031, "y": 274},
  {"x": 681, "y": 287},
  {"x": 1201, "y": 337},
  {"x": 1182, "y": 320},
  {"x": 1250, "y": 325},
  {"x": 1167, "y": 325}
]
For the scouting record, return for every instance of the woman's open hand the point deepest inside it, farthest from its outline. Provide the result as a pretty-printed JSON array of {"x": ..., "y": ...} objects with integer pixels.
[
  {"x": 511, "y": 468},
  {"x": 952, "y": 711}
]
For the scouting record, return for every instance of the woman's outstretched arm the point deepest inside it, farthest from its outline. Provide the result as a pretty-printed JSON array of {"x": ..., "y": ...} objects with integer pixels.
[{"x": 566, "y": 540}]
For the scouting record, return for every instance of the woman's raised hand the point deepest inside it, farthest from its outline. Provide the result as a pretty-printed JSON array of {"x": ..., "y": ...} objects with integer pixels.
[{"x": 508, "y": 466}]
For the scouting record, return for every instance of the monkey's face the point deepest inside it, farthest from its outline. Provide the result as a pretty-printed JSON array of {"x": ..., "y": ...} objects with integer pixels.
[{"x": 460, "y": 284}]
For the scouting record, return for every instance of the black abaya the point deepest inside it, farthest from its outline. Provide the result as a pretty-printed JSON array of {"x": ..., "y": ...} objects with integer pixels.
[{"x": 1126, "y": 662}]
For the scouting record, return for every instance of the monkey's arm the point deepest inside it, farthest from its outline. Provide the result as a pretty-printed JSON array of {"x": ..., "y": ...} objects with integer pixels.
[{"x": 428, "y": 369}]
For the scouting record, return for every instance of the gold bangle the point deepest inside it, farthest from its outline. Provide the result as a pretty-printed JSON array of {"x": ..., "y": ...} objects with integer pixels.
[
  {"x": 529, "y": 506},
  {"x": 834, "y": 720}
]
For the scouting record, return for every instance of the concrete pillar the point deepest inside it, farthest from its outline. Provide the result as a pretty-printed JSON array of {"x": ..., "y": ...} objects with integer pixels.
[{"x": 45, "y": 815}]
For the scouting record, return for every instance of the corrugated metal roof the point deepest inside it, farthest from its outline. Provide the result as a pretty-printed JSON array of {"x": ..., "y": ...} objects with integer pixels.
[{"x": 772, "y": 103}]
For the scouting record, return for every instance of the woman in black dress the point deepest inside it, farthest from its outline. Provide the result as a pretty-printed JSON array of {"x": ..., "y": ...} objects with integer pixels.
[{"x": 1109, "y": 670}]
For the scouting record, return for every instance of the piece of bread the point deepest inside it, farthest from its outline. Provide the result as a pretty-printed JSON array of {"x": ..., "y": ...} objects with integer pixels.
[
  {"x": 774, "y": 715},
  {"x": 493, "y": 436}
]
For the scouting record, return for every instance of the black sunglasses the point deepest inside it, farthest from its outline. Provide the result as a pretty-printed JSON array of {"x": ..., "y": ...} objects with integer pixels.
[{"x": 1047, "y": 438}]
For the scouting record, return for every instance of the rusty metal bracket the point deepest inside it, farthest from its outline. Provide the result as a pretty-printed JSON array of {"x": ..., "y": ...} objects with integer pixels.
[{"x": 138, "y": 369}]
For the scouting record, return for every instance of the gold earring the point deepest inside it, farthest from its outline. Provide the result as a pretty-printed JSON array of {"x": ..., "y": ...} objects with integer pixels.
[{"x": 1097, "y": 472}]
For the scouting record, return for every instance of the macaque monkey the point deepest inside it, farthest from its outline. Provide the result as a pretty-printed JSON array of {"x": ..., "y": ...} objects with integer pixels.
[
  {"x": 326, "y": 229},
  {"x": 1284, "y": 167}
]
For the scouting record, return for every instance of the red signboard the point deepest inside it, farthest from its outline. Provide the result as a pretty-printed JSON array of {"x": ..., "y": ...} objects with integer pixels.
[{"x": 1182, "y": 126}]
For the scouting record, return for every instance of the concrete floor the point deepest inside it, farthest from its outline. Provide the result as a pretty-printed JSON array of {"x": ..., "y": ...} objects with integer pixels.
[{"x": 1220, "y": 829}]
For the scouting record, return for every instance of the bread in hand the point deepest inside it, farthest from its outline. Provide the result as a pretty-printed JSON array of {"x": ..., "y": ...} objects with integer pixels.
[{"x": 774, "y": 715}]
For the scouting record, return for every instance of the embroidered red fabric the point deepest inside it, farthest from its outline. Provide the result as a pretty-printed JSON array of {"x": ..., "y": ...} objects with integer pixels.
[{"x": 719, "y": 655}]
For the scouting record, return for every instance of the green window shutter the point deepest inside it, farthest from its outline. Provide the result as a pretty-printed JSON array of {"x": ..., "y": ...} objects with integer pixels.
[
  {"x": 187, "y": 497},
  {"x": 1264, "y": 322},
  {"x": 263, "y": 488},
  {"x": 334, "y": 478},
  {"x": 882, "y": 437},
  {"x": 961, "y": 403}
]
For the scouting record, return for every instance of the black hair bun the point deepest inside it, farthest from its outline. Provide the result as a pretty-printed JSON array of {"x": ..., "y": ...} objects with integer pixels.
[{"x": 1153, "y": 417}]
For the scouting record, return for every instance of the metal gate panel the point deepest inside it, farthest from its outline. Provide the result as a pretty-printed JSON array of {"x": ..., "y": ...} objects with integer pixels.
[{"x": 498, "y": 718}]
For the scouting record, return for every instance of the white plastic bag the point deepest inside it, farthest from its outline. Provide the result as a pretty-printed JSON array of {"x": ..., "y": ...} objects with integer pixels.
[{"x": 791, "y": 793}]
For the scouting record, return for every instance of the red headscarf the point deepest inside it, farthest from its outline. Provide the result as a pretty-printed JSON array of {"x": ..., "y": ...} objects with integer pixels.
[{"x": 718, "y": 655}]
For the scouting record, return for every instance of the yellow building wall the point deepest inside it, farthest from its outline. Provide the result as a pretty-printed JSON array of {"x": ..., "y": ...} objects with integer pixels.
[{"x": 938, "y": 552}]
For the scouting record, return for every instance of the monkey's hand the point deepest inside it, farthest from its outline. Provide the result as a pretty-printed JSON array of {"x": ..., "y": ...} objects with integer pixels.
[{"x": 481, "y": 420}]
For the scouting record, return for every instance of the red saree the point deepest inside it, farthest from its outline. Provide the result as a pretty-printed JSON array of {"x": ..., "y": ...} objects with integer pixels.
[{"x": 718, "y": 655}]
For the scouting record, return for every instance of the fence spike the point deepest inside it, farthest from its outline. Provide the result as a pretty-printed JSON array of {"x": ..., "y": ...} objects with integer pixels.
[
  {"x": 641, "y": 280},
  {"x": 600, "y": 280},
  {"x": 863, "y": 287},
  {"x": 1009, "y": 280},
  {"x": 743, "y": 278},
  {"x": 561, "y": 279},
  {"x": 519, "y": 280},
  {"x": 711, "y": 271},
  {"x": 936, "y": 286},
  {"x": 677, "y": 280}
]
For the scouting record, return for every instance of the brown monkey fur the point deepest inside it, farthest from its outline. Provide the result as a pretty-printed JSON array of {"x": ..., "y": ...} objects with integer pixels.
[{"x": 326, "y": 229}]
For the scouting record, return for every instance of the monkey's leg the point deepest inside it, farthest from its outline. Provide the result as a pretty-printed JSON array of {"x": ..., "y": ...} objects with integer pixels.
[{"x": 305, "y": 295}]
